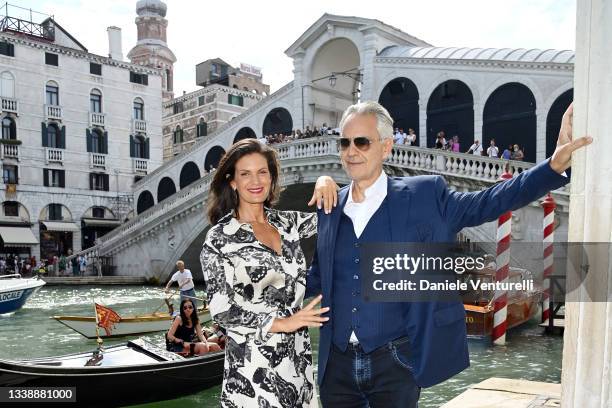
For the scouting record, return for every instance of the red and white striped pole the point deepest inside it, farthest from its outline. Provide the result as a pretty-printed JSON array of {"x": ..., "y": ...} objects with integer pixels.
[
  {"x": 549, "y": 206},
  {"x": 500, "y": 301}
]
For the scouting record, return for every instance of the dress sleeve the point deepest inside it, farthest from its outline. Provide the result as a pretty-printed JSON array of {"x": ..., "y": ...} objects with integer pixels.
[
  {"x": 306, "y": 223},
  {"x": 220, "y": 279}
]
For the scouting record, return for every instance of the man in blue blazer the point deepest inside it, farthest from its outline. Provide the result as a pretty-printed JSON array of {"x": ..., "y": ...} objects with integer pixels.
[{"x": 380, "y": 354}]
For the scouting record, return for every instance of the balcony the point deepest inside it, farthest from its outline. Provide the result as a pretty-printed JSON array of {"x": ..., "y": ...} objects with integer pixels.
[
  {"x": 53, "y": 155},
  {"x": 96, "y": 119},
  {"x": 9, "y": 151},
  {"x": 139, "y": 126},
  {"x": 53, "y": 112},
  {"x": 140, "y": 165},
  {"x": 97, "y": 160},
  {"x": 9, "y": 105}
]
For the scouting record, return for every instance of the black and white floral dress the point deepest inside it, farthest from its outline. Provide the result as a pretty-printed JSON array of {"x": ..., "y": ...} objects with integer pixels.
[{"x": 248, "y": 285}]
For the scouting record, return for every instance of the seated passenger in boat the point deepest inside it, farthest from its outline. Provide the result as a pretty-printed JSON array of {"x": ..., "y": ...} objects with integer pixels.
[
  {"x": 216, "y": 334},
  {"x": 184, "y": 329}
]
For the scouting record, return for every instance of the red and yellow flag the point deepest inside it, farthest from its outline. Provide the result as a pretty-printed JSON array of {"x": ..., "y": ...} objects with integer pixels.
[{"x": 107, "y": 318}]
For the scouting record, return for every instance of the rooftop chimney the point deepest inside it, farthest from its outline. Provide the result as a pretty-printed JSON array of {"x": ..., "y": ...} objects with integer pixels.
[{"x": 114, "y": 43}]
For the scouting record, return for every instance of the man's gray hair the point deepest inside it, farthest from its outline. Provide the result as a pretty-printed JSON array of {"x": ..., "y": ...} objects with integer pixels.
[{"x": 384, "y": 122}]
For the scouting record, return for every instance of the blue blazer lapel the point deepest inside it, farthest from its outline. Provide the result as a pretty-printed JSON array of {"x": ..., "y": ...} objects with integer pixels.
[{"x": 398, "y": 199}]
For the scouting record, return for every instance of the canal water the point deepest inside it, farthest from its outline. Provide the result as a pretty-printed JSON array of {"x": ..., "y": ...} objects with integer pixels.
[{"x": 30, "y": 332}]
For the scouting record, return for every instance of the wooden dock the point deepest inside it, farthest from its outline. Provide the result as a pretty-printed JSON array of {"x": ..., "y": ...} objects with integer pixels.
[
  {"x": 506, "y": 393},
  {"x": 94, "y": 280}
]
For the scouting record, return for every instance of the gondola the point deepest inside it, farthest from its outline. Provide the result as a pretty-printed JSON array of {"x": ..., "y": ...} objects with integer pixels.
[{"x": 136, "y": 372}]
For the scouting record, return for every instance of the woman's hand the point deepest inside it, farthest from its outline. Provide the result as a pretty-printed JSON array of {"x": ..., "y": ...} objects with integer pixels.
[
  {"x": 325, "y": 193},
  {"x": 307, "y": 317}
]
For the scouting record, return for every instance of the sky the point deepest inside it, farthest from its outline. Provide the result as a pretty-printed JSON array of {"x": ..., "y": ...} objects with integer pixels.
[{"x": 258, "y": 32}]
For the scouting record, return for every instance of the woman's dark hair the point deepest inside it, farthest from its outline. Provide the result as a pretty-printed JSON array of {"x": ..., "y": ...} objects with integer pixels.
[
  {"x": 194, "y": 315},
  {"x": 222, "y": 197}
]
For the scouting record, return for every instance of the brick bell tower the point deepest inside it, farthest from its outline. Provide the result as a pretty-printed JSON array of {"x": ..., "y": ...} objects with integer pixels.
[{"x": 151, "y": 48}]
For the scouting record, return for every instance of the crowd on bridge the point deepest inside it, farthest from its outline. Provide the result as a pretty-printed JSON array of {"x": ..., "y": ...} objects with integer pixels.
[
  {"x": 54, "y": 266},
  {"x": 298, "y": 134}
]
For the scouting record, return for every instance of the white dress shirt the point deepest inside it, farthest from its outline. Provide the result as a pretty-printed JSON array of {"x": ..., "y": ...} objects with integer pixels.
[{"x": 360, "y": 213}]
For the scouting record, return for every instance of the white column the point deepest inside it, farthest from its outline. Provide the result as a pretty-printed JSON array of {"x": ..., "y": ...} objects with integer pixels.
[
  {"x": 478, "y": 121},
  {"x": 540, "y": 134},
  {"x": 368, "y": 54},
  {"x": 299, "y": 121},
  {"x": 423, "y": 122},
  {"x": 587, "y": 350}
]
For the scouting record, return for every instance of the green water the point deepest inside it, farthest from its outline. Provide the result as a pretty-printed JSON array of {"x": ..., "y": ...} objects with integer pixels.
[{"x": 30, "y": 332}]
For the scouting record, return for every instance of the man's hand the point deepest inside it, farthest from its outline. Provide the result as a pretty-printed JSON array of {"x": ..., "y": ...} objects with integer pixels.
[
  {"x": 561, "y": 158},
  {"x": 325, "y": 193}
]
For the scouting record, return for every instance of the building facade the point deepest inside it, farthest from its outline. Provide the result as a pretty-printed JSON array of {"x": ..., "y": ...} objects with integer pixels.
[
  {"x": 78, "y": 130},
  {"x": 226, "y": 93}
]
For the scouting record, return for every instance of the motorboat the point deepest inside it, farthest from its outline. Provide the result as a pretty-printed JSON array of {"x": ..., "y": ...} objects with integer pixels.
[{"x": 16, "y": 290}]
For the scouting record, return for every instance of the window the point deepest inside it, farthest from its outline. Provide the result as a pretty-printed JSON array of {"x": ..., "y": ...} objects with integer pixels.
[
  {"x": 141, "y": 79},
  {"x": 138, "y": 109},
  {"x": 202, "y": 128},
  {"x": 201, "y": 100},
  {"x": 53, "y": 136},
  {"x": 52, "y": 94},
  {"x": 7, "y": 49},
  {"x": 139, "y": 147},
  {"x": 11, "y": 208},
  {"x": 235, "y": 100},
  {"x": 177, "y": 108},
  {"x": 98, "y": 181},
  {"x": 54, "y": 178},
  {"x": 214, "y": 71},
  {"x": 51, "y": 59},
  {"x": 9, "y": 130},
  {"x": 95, "y": 101},
  {"x": 7, "y": 85},
  {"x": 97, "y": 142},
  {"x": 178, "y": 135},
  {"x": 95, "y": 69},
  {"x": 55, "y": 212},
  {"x": 9, "y": 174},
  {"x": 97, "y": 212}
]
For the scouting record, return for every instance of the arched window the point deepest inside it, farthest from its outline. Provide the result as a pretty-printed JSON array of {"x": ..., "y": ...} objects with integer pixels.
[
  {"x": 52, "y": 93},
  {"x": 7, "y": 85},
  {"x": 178, "y": 135},
  {"x": 95, "y": 101},
  {"x": 53, "y": 136},
  {"x": 202, "y": 128},
  {"x": 139, "y": 109},
  {"x": 9, "y": 130}
]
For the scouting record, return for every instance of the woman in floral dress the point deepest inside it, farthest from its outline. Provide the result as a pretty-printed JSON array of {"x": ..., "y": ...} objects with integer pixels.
[{"x": 255, "y": 274}]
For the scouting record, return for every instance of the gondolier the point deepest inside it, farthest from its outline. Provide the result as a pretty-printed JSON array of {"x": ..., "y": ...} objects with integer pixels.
[{"x": 185, "y": 281}]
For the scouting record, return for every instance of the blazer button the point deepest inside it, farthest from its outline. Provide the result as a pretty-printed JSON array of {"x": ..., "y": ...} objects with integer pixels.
[
  {"x": 356, "y": 260},
  {"x": 354, "y": 310},
  {"x": 357, "y": 245},
  {"x": 355, "y": 277}
]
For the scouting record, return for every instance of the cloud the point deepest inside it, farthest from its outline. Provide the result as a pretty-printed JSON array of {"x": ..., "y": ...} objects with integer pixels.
[{"x": 258, "y": 33}]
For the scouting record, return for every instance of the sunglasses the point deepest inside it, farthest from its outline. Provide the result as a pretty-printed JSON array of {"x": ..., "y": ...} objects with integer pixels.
[
  {"x": 187, "y": 307},
  {"x": 361, "y": 142}
]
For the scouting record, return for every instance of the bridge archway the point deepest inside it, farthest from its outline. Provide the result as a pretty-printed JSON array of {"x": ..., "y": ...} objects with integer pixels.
[
  {"x": 451, "y": 109},
  {"x": 245, "y": 133},
  {"x": 509, "y": 117},
  {"x": 165, "y": 189},
  {"x": 189, "y": 174},
  {"x": 213, "y": 157},
  {"x": 553, "y": 119},
  {"x": 145, "y": 201},
  {"x": 278, "y": 120},
  {"x": 401, "y": 98}
]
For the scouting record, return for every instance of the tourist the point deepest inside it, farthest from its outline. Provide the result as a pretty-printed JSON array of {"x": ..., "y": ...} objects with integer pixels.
[
  {"x": 455, "y": 146},
  {"x": 507, "y": 153},
  {"x": 75, "y": 265},
  {"x": 517, "y": 153},
  {"x": 82, "y": 265},
  {"x": 185, "y": 327},
  {"x": 62, "y": 265},
  {"x": 492, "y": 151},
  {"x": 412, "y": 139},
  {"x": 476, "y": 148}
]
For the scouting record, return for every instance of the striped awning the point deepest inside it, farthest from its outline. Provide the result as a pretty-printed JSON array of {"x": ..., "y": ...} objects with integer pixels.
[
  {"x": 61, "y": 226},
  {"x": 17, "y": 236}
]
